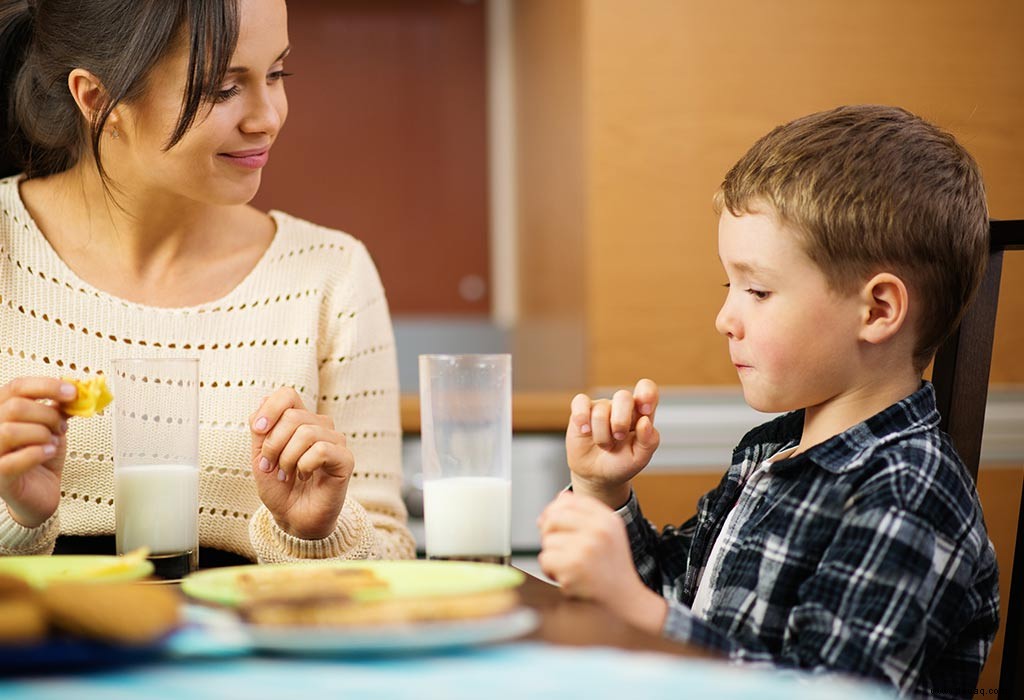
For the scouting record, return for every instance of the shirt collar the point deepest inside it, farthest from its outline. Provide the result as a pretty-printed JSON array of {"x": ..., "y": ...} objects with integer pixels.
[{"x": 850, "y": 449}]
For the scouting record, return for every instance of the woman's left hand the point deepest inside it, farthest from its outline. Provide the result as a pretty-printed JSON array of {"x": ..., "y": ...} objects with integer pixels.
[{"x": 301, "y": 465}]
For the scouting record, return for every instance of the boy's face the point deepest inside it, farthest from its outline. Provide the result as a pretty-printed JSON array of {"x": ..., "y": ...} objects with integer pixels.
[{"x": 792, "y": 339}]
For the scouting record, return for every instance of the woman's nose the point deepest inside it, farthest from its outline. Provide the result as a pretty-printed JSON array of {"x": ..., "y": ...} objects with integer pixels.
[{"x": 264, "y": 114}]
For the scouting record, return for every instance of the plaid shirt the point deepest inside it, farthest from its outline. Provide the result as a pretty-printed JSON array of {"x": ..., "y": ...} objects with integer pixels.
[{"x": 866, "y": 554}]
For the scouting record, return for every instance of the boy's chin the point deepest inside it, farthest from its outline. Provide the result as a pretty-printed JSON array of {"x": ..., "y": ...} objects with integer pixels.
[{"x": 766, "y": 404}]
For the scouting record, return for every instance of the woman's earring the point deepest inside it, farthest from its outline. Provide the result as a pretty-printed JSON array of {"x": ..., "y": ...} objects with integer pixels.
[{"x": 114, "y": 133}]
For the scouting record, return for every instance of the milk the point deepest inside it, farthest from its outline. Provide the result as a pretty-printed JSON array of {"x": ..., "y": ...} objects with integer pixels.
[
  {"x": 467, "y": 516},
  {"x": 157, "y": 506}
]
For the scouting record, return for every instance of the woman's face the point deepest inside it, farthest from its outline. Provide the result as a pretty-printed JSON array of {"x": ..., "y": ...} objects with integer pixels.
[{"x": 221, "y": 157}]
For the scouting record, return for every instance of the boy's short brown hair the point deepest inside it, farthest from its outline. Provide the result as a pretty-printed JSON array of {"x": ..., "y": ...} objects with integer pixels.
[{"x": 871, "y": 188}]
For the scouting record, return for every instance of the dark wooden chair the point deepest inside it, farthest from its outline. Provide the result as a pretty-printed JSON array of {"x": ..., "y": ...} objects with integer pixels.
[{"x": 960, "y": 375}]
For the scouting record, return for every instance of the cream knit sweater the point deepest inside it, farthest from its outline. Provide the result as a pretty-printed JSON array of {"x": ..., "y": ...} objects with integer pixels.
[{"x": 311, "y": 315}]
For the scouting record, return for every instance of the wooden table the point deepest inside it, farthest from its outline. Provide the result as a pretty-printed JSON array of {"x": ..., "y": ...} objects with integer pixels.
[{"x": 579, "y": 623}]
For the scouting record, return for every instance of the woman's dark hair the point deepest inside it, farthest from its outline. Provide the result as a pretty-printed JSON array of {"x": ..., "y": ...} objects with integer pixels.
[{"x": 119, "y": 41}]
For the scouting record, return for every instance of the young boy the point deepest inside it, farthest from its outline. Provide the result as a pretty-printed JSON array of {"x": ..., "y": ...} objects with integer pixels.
[{"x": 847, "y": 535}]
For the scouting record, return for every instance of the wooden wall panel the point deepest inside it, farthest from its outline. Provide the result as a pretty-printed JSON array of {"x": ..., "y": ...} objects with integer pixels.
[
  {"x": 387, "y": 140},
  {"x": 551, "y": 190},
  {"x": 677, "y": 91}
]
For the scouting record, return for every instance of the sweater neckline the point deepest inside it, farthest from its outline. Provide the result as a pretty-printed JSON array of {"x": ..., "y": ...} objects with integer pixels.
[{"x": 24, "y": 218}]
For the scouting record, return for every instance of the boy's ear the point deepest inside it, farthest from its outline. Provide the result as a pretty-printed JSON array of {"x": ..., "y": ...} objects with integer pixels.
[
  {"x": 90, "y": 95},
  {"x": 885, "y": 304}
]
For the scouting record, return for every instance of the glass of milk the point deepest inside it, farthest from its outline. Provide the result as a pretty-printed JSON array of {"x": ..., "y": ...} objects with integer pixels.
[
  {"x": 466, "y": 431},
  {"x": 156, "y": 461}
]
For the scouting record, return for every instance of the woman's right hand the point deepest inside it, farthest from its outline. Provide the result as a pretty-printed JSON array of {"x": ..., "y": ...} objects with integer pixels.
[
  {"x": 32, "y": 446},
  {"x": 608, "y": 442}
]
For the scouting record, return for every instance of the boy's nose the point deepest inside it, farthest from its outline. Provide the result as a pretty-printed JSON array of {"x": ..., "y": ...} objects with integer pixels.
[{"x": 726, "y": 323}]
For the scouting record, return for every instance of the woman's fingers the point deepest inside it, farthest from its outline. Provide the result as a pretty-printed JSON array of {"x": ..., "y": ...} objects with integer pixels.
[
  {"x": 14, "y": 436},
  {"x": 310, "y": 444},
  {"x": 275, "y": 442},
  {"x": 37, "y": 388},
  {"x": 295, "y": 432},
  {"x": 333, "y": 458},
  {"x": 273, "y": 408},
  {"x": 19, "y": 409},
  {"x": 15, "y": 464}
]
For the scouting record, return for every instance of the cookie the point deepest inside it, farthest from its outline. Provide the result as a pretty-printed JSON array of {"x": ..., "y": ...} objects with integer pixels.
[
  {"x": 14, "y": 587},
  {"x": 22, "y": 621},
  {"x": 122, "y": 613}
]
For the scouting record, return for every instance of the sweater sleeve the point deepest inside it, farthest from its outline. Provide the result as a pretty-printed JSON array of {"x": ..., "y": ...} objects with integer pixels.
[
  {"x": 16, "y": 539},
  {"x": 358, "y": 388}
]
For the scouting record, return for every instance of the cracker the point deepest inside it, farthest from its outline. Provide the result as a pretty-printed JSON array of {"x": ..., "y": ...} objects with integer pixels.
[
  {"x": 325, "y": 612},
  {"x": 300, "y": 583}
]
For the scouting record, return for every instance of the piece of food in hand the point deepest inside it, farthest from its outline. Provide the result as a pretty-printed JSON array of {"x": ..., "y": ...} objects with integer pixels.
[
  {"x": 93, "y": 396},
  {"x": 339, "y": 611},
  {"x": 22, "y": 618},
  {"x": 122, "y": 613}
]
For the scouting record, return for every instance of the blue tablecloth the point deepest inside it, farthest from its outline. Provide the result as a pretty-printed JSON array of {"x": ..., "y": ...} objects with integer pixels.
[{"x": 522, "y": 670}]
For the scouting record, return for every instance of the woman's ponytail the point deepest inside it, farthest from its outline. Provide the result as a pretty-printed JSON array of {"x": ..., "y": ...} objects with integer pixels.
[{"x": 16, "y": 18}]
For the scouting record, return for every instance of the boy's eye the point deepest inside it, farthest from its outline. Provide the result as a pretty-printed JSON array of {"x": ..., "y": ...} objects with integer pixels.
[{"x": 758, "y": 294}]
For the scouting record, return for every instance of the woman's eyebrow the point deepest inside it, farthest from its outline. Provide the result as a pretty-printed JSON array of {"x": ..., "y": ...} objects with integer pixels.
[{"x": 236, "y": 70}]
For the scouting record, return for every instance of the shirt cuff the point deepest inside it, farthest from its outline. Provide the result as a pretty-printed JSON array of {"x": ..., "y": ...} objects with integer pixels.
[
  {"x": 682, "y": 625},
  {"x": 16, "y": 539},
  {"x": 353, "y": 538},
  {"x": 630, "y": 510}
]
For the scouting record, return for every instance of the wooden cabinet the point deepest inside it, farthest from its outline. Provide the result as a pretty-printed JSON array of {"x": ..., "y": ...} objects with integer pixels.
[
  {"x": 386, "y": 139},
  {"x": 631, "y": 113}
]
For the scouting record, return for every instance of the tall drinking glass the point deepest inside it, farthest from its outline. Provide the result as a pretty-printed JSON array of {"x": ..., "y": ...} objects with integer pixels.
[
  {"x": 156, "y": 461},
  {"x": 466, "y": 431}
]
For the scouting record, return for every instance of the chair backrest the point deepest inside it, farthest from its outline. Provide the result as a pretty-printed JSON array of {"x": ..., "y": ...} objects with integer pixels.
[{"x": 960, "y": 376}]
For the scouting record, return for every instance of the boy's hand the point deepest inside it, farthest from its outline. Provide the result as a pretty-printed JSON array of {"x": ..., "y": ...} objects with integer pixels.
[
  {"x": 301, "y": 465},
  {"x": 584, "y": 547},
  {"x": 608, "y": 442},
  {"x": 32, "y": 445}
]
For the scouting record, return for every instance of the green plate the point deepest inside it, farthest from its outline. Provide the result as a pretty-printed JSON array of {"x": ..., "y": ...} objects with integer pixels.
[
  {"x": 405, "y": 579},
  {"x": 42, "y": 570}
]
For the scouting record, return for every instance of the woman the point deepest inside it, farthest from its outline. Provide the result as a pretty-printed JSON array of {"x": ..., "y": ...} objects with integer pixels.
[{"x": 130, "y": 234}]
